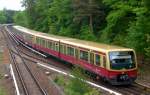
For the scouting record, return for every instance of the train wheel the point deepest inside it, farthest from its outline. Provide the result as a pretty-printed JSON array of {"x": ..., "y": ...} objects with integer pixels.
[
  {"x": 104, "y": 79},
  {"x": 97, "y": 77}
]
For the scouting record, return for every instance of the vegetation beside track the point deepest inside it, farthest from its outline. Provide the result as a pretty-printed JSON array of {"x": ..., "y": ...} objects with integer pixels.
[
  {"x": 2, "y": 91},
  {"x": 144, "y": 73},
  {"x": 74, "y": 86}
]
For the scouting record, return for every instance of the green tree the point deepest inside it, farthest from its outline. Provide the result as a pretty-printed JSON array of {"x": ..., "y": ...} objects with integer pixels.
[
  {"x": 148, "y": 48},
  {"x": 2, "y": 17},
  {"x": 118, "y": 19},
  {"x": 42, "y": 16},
  {"x": 147, "y": 5},
  {"x": 37, "y": 14},
  {"x": 119, "y": 22},
  {"x": 127, "y": 24},
  {"x": 20, "y": 18},
  {"x": 60, "y": 17},
  {"x": 139, "y": 30},
  {"x": 86, "y": 12},
  {"x": 86, "y": 9},
  {"x": 31, "y": 14},
  {"x": 9, "y": 15}
]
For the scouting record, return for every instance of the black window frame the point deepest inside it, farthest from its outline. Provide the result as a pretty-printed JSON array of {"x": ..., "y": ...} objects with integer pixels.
[
  {"x": 70, "y": 51},
  {"x": 98, "y": 61},
  {"x": 84, "y": 56}
]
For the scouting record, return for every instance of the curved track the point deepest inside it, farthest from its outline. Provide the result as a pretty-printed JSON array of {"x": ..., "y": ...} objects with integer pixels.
[{"x": 24, "y": 74}]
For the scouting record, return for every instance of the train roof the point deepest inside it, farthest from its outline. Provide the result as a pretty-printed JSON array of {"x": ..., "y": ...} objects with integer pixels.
[{"x": 75, "y": 42}]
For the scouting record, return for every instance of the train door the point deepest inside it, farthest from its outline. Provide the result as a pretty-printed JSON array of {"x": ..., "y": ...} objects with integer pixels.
[
  {"x": 34, "y": 39},
  {"x": 61, "y": 50},
  {"x": 91, "y": 61},
  {"x": 46, "y": 45},
  {"x": 98, "y": 63},
  {"x": 76, "y": 55},
  {"x": 103, "y": 61},
  {"x": 97, "y": 60}
]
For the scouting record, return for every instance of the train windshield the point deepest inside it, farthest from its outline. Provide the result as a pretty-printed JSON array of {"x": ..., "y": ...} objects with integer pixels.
[{"x": 122, "y": 60}]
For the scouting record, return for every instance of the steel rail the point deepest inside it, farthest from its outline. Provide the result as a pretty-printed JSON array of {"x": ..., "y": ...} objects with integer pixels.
[
  {"x": 28, "y": 69},
  {"x": 17, "y": 68}
]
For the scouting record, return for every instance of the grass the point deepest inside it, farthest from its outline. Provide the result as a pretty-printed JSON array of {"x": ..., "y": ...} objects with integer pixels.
[
  {"x": 2, "y": 91},
  {"x": 60, "y": 80},
  {"x": 144, "y": 71},
  {"x": 74, "y": 86}
]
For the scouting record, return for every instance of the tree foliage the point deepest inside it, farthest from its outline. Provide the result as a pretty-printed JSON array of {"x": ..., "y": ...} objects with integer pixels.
[
  {"x": 120, "y": 22},
  {"x": 60, "y": 17},
  {"x": 2, "y": 17},
  {"x": 31, "y": 14},
  {"x": 77, "y": 86},
  {"x": 127, "y": 24},
  {"x": 20, "y": 18},
  {"x": 86, "y": 11},
  {"x": 6, "y": 16},
  {"x": 9, "y": 15}
]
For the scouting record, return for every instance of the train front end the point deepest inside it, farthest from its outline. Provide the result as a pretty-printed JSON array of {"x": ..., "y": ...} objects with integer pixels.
[{"x": 122, "y": 67}]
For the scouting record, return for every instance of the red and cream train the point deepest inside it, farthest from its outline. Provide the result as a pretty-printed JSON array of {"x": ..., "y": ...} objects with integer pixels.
[{"x": 115, "y": 64}]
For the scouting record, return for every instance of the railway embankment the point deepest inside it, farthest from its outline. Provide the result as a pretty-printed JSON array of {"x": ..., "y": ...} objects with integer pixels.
[{"x": 144, "y": 74}]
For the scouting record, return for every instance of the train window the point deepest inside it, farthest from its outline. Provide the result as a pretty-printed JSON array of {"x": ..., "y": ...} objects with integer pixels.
[
  {"x": 53, "y": 45},
  {"x": 92, "y": 58},
  {"x": 104, "y": 61},
  {"x": 56, "y": 47},
  {"x": 43, "y": 43},
  {"x": 97, "y": 59},
  {"x": 84, "y": 55},
  {"x": 122, "y": 60},
  {"x": 70, "y": 51},
  {"x": 33, "y": 39},
  {"x": 49, "y": 45},
  {"x": 29, "y": 37},
  {"x": 62, "y": 48},
  {"x": 37, "y": 40}
]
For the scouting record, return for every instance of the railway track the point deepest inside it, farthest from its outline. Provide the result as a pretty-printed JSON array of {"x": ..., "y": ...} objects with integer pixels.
[
  {"x": 21, "y": 80},
  {"x": 134, "y": 89},
  {"x": 29, "y": 82}
]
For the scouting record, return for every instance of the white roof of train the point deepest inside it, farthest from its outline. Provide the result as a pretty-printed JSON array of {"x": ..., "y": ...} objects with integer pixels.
[{"x": 75, "y": 42}]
